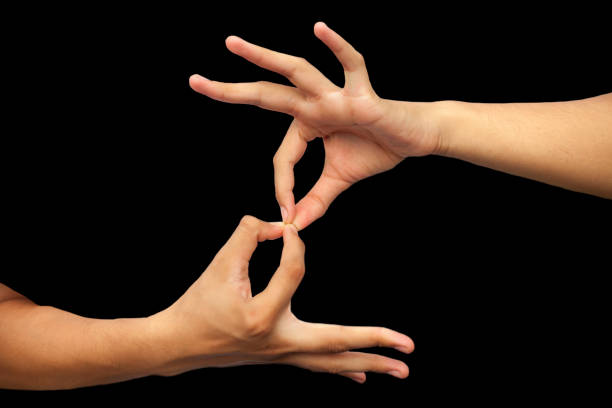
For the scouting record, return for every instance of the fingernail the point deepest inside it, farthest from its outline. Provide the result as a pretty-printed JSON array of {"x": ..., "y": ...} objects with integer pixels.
[
  {"x": 198, "y": 77},
  {"x": 284, "y": 213},
  {"x": 404, "y": 349},
  {"x": 277, "y": 223},
  {"x": 395, "y": 373}
]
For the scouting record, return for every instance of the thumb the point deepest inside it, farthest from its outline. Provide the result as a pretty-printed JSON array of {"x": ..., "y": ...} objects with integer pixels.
[{"x": 318, "y": 200}]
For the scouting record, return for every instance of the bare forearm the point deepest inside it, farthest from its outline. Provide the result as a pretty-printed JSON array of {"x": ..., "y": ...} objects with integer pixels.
[
  {"x": 567, "y": 144},
  {"x": 46, "y": 348}
]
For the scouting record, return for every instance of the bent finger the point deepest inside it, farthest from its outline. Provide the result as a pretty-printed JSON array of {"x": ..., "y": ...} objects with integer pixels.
[
  {"x": 288, "y": 154},
  {"x": 247, "y": 235},
  {"x": 288, "y": 276}
]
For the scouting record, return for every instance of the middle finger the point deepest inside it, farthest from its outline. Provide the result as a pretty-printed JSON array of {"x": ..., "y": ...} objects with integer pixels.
[{"x": 297, "y": 70}]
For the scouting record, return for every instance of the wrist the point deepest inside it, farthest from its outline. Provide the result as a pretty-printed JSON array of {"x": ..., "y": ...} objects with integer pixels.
[
  {"x": 451, "y": 118},
  {"x": 417, "y": 128},
  {"x": 169, "y": 351}
]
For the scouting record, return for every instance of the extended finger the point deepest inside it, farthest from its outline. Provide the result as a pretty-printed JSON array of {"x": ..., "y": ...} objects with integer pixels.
[
  {"x": 287, "y": 277},
  {"x": 347, "y": 362},
  {"x": 314, "y": 204},
  {"x": 355, "y": 72},
  {"x": 297, "y": 70},
  {"x": 266, "y": 95},
  {"x": 288, "y": 154},
  {"x": 316, "y": 337}
]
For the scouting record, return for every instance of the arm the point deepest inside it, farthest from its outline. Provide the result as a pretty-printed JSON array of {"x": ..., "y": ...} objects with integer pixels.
[
  {"x": 218, "y": 322},
  {"x": 568, "y": 144},
  {"x": 43, "y": 347}
]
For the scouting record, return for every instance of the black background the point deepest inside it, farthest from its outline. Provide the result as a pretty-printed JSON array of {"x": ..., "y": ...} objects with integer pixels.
[{"x": 120, "y": 184}]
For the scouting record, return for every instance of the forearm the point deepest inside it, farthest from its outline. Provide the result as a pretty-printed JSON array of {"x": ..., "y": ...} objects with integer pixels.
[
  {"x": 567, "y": 144},
  {"x": 46, "y": 348}
]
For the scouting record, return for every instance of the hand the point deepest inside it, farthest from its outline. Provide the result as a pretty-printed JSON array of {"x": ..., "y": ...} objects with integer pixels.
[
  {"x": 218, "y": 322},
  {"x": 363, "y": 134}
]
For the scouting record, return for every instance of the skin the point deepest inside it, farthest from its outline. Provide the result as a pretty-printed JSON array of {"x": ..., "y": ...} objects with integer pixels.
[
  {"x": 566, "y": 144},
  {"x": 216, "y": 323}
]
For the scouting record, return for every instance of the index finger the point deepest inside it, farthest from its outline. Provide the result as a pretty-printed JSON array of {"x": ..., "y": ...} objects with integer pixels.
[
  {"x": 288, "y": 154},
  {"x": 249, "y": 232},
  {"x": 288, "y": 276}
]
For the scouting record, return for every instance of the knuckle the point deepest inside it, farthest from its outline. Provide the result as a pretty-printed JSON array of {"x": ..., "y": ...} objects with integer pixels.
[
  {"x": 257, "y": 98},
  {"x": 379, "y": 334},
  {"x": 296, "y": 270},
  {"x": 256, "y": 325},
  {"x": 249, "y": 222},
  {"x": 336, "y": 347},
  {"x": 276, "y": 159},
  {"x": 279, "y": 197},
  {"x": 297, "y": 66},
  {"x": 334, "y": 369},
  {"x": 380, "y": 364},
  {"x": 301, "y": 246},
  {"x": 359, "y": 58},
  {"x": 293, "y": 107}
]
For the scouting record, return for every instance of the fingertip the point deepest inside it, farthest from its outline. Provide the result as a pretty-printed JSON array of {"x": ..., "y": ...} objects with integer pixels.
[
  {"x": 196, "y": 79},
  {"x": 232, "y": 41},
  {"x": 405, "y": 371},
  {"x": 319, "y": 26},
  {"x": 408, "y": 346},
  {"x": 301, "y": 219},
  {"x": 276, "y": 229},
  {"x": 290, "y": 230},
  {"x": 359, "y": 378},
  {"x": 291, "y": 212},
  {"x": 286, "y": 203},
  {"x": 400, "y": 371}
]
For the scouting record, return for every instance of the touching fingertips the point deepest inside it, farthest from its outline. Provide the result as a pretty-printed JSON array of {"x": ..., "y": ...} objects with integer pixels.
[
  {"x": 301, "y": 220},
  {"x": 290, "y": 229}
]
